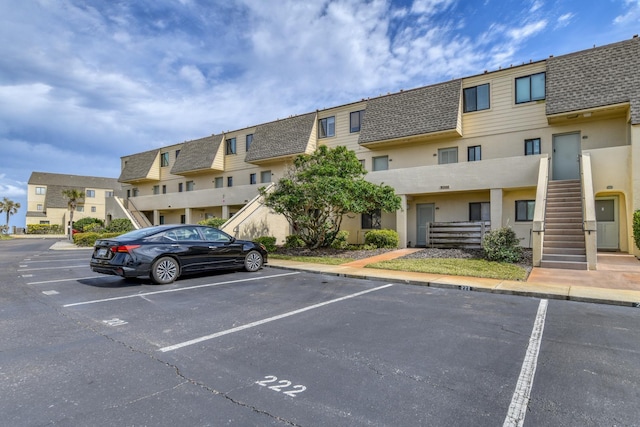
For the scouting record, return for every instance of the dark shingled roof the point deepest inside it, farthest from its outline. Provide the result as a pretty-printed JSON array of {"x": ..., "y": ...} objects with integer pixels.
[
  {"x": 197, "y": 155},
  {"x": 281, "y": 138},
  {"x": 595, "y": 77},
  {"x": 414, "y": 112},
  {"x": 55, "y": 199},
  {"x": 138, "y": 166},
  {"x": 73, "y": 181}
]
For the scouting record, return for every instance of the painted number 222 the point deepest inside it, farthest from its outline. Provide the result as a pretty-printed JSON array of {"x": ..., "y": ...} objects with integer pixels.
[{"x": 281, "y": 385}]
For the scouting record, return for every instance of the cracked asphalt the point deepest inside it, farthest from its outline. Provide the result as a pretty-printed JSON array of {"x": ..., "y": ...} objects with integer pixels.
[{"x": 290, "y": 348}]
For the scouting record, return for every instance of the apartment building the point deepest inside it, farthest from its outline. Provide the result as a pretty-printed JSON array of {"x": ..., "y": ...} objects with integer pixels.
[
  {"x": 550, "y": 148},
  {"x": 47, "y": 205}
]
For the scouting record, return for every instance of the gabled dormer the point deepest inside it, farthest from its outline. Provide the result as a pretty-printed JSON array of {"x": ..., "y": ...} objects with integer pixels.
[
  {"x": 418, "y": 114},
  {"x": 283, "y": 139},
  {"x": 200, "y": 156},
  {"x": 141, "y": 167}
]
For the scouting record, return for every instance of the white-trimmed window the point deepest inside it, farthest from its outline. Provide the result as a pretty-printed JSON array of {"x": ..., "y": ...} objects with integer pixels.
[
  {"x": 39, "y": 207},
  {"x": 190, "y": 185},
  {"x": 93, "y": 209},
  {"x": 530, "y": 88},
  {"x": 164, "y": 159},
  {"x": 219, "y": 182},
  {"x": 248, "y": 141},
  {"x": 41, "y": 191},
  {"x": 447, "y": 155},
  {"x": 327, "y": 127},
  {"x": 90, "y": 193}
]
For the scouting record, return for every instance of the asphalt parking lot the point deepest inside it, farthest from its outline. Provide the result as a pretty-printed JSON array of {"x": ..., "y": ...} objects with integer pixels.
[{"x": 282, "y": 347}]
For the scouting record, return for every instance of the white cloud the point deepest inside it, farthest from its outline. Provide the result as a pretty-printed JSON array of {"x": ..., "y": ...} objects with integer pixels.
[
  {"x": 537, "y": 4},
  {"x": 517, "y": 34},
  {"x": 564, "y": 20},
  {"x": 194, "y": 76},
  {"x": 632, "y": 14},
  {"x": 429, "y": 7}
]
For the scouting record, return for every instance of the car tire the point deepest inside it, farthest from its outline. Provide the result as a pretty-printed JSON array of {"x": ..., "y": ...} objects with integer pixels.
[
  {"x": 253, "y": 261},
  {"x": 165, "y": 270}
]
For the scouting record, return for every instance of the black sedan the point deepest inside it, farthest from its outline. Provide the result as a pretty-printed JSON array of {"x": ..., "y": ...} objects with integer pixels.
[{"x": 165, "y": 252}]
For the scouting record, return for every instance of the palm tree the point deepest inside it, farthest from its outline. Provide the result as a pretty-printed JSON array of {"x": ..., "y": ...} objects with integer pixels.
[
  {"x": 10, "y": 207},
  {"x": 73, "y": 195}
]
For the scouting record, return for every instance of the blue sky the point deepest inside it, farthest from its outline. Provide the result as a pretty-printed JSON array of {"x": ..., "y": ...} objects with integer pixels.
[{"x": 83, "y": 83}]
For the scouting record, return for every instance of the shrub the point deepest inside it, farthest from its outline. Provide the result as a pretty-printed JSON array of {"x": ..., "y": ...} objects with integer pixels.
[
  {"x": 119, "y": 225},
  {"x": 340, "y": 241},
  {"x": 636, "y": 228},
  {"x": 89, "y": 239},
  {"x": 213, "y": 222},
  {"x": 382, "y": 238},
  {"x": 82, "y": 224},
  {"x": 269, "y": 242},
  {"x": 294, "y": 241},
  {"x": 502, "y": 245},
  {"x": 44, "y": 229},
  {"x": 93, "y": 228}
]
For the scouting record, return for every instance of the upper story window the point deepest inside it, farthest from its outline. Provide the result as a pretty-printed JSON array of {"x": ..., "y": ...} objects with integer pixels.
[
  {"x": 525, "y": 209},
  {"x": 41, "y": 190},
  {"x": 531, "y": 146},
  {"x": 90, "y": 193},
  {"x": 355, "y": 121},
  {"x": 177, "y": 153},
  {"x": 327, "y": 127},
  {"x": 190, "y": 185},
  {"x": 474, "y": 153},
  {"x": 179, "y": 187},
  {"x": 252, "y": 179},
  {"x": 218, "y": 182},
  {"x": 447, "y": 155},
  {"x": 79, "y": 208},
  {"x": 265, "y": 176},
  {"x": 476, "y": 98},
  {"x": 164, "y": 189},
  {"x": 108, "y": 194},
  {"x": 530, "y": 88},
  {"x": 381, "y": 163},
  {"x": 156, "y": 189},
  {"x": 39, "y": 207},
  {"x": 229, "y": 181},
  {"x": 231, "y": 146},
  {"x": 164, "y": 159},
  {"x": 249, "y": 140}
]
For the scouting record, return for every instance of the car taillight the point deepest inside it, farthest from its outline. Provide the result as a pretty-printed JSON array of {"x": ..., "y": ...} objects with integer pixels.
[{"x": 124, "y": 248}]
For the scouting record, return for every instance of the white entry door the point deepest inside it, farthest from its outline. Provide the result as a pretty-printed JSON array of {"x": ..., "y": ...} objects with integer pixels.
[
  {"x": 425, "y": 214},
  {"x": 607, "y": 223},
  {"x": 565, "y": 161}
]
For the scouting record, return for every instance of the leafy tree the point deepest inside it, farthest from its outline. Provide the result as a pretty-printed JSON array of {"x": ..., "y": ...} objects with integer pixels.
[
  {"x": 73, "y": 196},
  {"x": 319, "y": 189},
  {"x": 9, "y": 207}
]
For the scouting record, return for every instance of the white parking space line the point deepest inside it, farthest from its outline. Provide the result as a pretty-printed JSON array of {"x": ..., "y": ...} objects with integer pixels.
[
  {"x": 56, "y": 260},
  {"x": 65, "y": 280},
  {"x": 520, "y": 399},
  {"x": 270, "y": 319},
  {"x": 54, "y": 268},
  {"x": 177, "y": 289}
]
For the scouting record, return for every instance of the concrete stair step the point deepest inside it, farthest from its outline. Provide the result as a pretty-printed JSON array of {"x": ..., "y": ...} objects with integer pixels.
[
  {"x": 565, "y": 251},
  {"x": 562, "y": 244},
  {"x": 567, "y": 265},
  {"x": 551, "y": 237},
  {"x": 564, "y": 257},
  {"x": 557, "y": 225},
  {"x": 565, "y": 220}
]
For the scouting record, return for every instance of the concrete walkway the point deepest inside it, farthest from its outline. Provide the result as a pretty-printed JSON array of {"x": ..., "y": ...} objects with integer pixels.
[{"x": 616, "y": 281}]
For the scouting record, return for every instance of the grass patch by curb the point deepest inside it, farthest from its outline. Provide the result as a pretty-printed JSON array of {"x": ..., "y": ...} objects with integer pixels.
[
  {"x": 455, "y": 267},
  {"x": 313, "y": 259}
]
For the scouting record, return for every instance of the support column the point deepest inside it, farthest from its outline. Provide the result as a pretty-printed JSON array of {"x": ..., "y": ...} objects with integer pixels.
[
  {"x": 187, "y": 216},
  {"x": 401, "y": 222},
  {"x": 496, "y": 208},
  {"x": 225, "y": 211},
  {"x": 635, "y": 181},
  {"x": 156, "y": 217}
]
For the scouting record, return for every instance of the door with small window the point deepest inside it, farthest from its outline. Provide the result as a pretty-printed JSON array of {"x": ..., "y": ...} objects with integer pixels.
[
  {"x": 607, "y": 224},
  {"x": 425, "y": 215}
]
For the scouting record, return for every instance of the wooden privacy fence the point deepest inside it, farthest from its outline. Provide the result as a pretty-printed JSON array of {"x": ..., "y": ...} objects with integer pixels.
[{"x": 465, "y": 234}]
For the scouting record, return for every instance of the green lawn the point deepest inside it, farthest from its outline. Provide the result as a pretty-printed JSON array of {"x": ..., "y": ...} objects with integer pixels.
[
  {"x": 456, "y": 267},
  {"x": 448, "y": 266}
]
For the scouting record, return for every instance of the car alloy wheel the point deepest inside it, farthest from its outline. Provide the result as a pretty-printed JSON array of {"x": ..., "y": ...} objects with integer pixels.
[
  {"x": 165, "y": 270},
  {"x": 253, "y": 261}
]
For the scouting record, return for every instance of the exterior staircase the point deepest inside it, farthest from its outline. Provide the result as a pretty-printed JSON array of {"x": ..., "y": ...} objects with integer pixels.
[{"x": 564, "y": 244}]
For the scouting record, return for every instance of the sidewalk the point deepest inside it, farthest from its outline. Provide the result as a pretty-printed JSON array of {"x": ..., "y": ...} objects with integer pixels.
[{"x": 616, "y": 281}]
